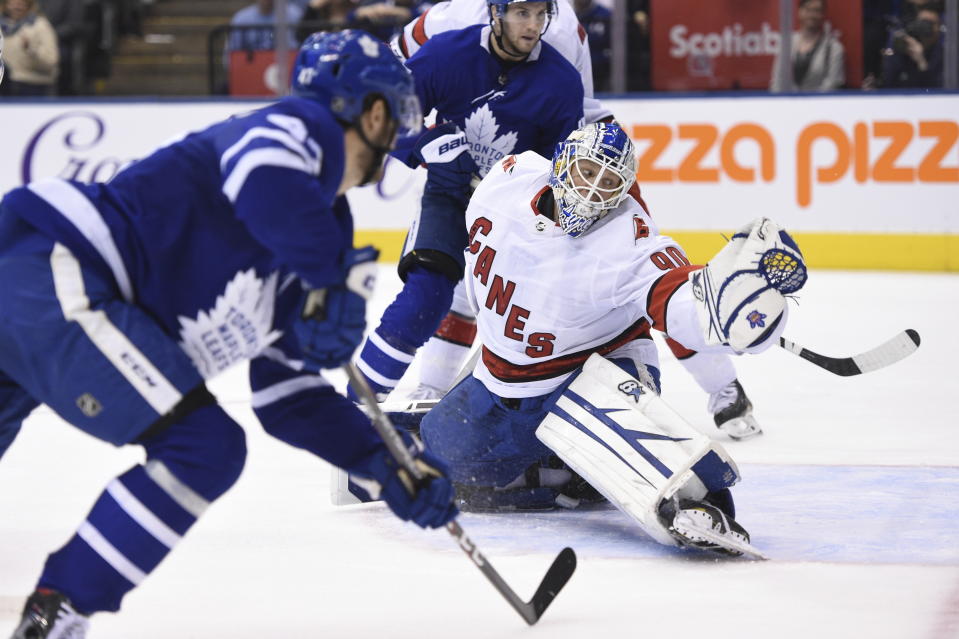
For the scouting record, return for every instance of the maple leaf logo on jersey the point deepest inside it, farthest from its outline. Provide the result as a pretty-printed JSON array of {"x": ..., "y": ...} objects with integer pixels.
[
  {"x": 238, "y": 326},
  {"x": 486, "y": 148}
]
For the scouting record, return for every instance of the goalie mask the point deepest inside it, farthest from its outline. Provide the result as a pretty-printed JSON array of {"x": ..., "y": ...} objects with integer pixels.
[{"x": 592, "y": 171}]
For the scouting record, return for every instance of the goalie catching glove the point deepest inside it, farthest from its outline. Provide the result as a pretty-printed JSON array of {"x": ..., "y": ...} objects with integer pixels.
[
  {"x": 428, "y": 502},
  {"x": 740, "y": 293}
]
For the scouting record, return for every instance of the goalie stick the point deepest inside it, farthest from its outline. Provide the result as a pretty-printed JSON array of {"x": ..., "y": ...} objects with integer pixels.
[
  {"x": 559, "y": 572},
  {"x": 897, "y": 348}
]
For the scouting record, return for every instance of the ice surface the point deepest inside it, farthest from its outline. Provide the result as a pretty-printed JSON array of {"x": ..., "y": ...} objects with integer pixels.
[{"x": 853, "y": 491}]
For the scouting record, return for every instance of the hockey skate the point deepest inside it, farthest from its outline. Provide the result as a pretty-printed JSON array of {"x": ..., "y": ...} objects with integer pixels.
[
  {"x": 49, "y": 615},
  {"x": 701, "y": 525},
  {"x": 733, "y": 412}
]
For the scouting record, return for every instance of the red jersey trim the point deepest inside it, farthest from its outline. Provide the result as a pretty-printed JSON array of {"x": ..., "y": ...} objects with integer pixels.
[
  {"x": 662, "y": 290},
  {"x": 680, "y": 351},
  {"x": 457, "y": 329},
  {"x": 508, "y": 372},
  {"x": 419, "y": 29},
  {"x": 635, "y": 194},
  {"x": 532, "y": 203}
]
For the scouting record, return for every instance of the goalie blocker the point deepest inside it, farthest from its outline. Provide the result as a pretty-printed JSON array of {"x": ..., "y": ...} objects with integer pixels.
[{"x": 622, "y": 438}]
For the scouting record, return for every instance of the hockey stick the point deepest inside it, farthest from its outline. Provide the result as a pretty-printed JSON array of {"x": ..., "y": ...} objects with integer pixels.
[
  {"x": 416, "y": 406},
  {"x": 559, "y": 572},
  {"x": 899, "y": 347}
]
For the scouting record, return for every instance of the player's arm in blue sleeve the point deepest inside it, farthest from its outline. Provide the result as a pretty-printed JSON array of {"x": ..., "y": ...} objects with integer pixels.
[
  {"x": 432, "y": 262},
  {"x": 282, "y": 181},
  {"x": 303, "y": 410},
  {"x": 567, "y": 114},
  {"x": 419, "y": 66}
]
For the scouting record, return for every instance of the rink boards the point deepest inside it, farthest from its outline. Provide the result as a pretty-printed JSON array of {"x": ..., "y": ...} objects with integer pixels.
[{"x": 863, "y": 180}]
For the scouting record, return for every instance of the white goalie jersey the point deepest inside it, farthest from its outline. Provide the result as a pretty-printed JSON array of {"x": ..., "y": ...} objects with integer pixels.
[{"x": 545, "y": 301}]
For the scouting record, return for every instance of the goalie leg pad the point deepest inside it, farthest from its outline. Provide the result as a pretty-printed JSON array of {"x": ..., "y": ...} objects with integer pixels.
[{"x": 631, "y": 446}]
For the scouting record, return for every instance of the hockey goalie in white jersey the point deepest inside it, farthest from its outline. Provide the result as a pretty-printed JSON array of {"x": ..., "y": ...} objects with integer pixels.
[{"x": 568, "y": 274}]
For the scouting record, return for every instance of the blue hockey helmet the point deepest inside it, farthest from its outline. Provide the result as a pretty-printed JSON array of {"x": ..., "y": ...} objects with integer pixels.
[
  {"x": 497, "y": 8},
  {"x": 593, "y": 169},
  {"x": 340, "y": 69}
]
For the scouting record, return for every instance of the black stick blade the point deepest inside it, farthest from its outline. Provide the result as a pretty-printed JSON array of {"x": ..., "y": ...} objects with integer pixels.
[
  {"x": 913, "y": 335},
  {"x": 897, "y": 348},
  {"x": 556, "y": 577}
]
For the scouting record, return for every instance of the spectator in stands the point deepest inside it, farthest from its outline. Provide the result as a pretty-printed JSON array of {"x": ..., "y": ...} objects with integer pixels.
[
  {"x": 383, "y": 18},
  {"x": 638, "y": 46},
  {"x": 67, "y": 18},
  {"x": 876, "y": 15},
  {"x": 596, "y": 20},
  {"x": 914, "y": 57},
  {"x": 30, "y": 49},
  {"x": 260, "y": 14},
  {"x": 818, "y": 58},
  {"x": 325, "y": 15}
]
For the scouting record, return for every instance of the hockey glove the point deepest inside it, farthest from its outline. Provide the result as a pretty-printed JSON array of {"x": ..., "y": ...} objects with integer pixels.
[
  {"x": 428, "y": 502},
  {"x": 740, "y": 294},
  {"x": 444, "y": 151},
  {"x": 333, "y": 319}
]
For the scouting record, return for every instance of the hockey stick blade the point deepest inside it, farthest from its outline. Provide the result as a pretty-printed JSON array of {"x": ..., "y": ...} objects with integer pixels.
[
  {"x": 406, "y": 406},
  {"x": 557, "y": 575},
  {"x": 897, "y": 348}
]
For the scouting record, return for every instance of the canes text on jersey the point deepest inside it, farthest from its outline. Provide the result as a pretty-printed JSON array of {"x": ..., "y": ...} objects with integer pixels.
[{"x": 500, "y": 293}]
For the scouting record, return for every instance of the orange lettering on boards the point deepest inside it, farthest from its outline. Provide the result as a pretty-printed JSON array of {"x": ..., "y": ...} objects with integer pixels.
[
  {"x": 892, "y": 139},
  {"x": 704, "y": 137}
]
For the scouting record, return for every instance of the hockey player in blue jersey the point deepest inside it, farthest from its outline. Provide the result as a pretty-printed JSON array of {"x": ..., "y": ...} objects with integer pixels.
[
  {"x": 119, "y": 300},
  {"x": 497, "y": 89}
]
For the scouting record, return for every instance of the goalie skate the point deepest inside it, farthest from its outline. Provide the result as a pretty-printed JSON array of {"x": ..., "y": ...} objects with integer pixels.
[
  {"x": 703, "y": 526},
  {"x": 733, "y": 412}
]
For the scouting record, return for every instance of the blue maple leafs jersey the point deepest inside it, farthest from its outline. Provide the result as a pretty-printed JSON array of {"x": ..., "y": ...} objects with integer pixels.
[
  {"x": 225, "y": 213},
  {"x": 215, "y": 236},
  {"x": 503, "y": 109}
]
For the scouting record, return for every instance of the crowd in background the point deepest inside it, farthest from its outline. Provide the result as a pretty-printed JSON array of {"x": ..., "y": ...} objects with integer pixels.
[{"x": 58, "y": 47}]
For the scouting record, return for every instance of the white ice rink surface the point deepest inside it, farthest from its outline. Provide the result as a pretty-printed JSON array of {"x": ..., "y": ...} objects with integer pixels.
[{"x": 853, "y": 491}]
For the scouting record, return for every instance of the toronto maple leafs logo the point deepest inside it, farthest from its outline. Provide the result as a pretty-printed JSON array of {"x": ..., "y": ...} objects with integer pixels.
[
  {"x": 756, "y": 319},
  {"x": 632, "y": 388},
  {"x": 238, "y": 326},
  {"x": 486, "y": 147},
  {"x": 370, "y": 48}
]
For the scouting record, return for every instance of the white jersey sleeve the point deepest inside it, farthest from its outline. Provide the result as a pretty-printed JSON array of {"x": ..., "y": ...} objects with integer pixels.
[
  {"x": 564, "y": 34},
  {"x": 546, "y": 300}
]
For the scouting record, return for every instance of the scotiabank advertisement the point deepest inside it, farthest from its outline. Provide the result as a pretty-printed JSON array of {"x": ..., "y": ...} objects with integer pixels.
[{"x": 730, "y": 44}]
